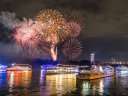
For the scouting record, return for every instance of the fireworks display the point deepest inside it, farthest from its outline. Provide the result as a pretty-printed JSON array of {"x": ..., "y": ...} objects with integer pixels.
[
  {"x": 45, "y": 33},
  {"x": 72, "y": 48},
  {"x": 74, "y": 28},
  {"x": 27, "y": 36},
  {"x": 53, "y": 24}
]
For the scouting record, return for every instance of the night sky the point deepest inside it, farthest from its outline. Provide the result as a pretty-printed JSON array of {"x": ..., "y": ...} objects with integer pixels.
[{"x": 105, "y": 29}]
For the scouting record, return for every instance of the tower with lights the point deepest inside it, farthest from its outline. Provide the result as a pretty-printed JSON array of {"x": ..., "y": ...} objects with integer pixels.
[{"x": 92, "y": 58}]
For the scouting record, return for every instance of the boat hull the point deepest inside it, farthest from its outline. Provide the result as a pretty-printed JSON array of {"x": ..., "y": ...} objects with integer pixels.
[{"x": 92, "y": 77}]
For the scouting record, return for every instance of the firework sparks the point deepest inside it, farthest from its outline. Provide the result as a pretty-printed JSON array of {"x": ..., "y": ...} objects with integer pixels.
[
  {"x": 74, "y": 28},
  {"x": 27, "y": 36},
  {"x": 46, "y": 32},
  {"x": 54, "y": 53},
  {"x": 53, "y": 23},
  {"x": 49, "y": 29},
  {"x": 72, "y": 48}
]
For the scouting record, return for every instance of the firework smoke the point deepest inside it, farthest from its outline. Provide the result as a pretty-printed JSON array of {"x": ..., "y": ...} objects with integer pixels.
[{"x": 9, "y": 20}]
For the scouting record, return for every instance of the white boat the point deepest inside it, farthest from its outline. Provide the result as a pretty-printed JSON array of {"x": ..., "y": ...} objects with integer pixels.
[
  {"x": 90, "y": 73},
  {"x": 122, "y": 69},
  {"x": 20, "y": 67},
  {"x": 62, "y": 69}
]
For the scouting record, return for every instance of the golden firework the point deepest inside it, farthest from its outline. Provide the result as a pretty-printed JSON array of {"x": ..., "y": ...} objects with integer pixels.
[{"x": 53, "y": 23}]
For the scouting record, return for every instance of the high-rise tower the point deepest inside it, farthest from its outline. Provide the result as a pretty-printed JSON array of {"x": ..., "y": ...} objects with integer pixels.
[{"x": 92, "y": 58}]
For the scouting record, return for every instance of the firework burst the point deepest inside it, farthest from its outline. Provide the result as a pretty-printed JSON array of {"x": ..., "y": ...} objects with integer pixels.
[
  {"x": 73, "y": 28},
  {"x": 72, "y": 48},
  {"x": 27, "y": 36},
  {"x": 74, "y": 23},
  {"x": 52, "y": 24}
]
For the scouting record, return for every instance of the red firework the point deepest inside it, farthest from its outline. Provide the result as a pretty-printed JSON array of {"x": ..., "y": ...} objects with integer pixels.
[
  {"x": 73, "y": 28},
  {"x": 27, "y": 36},
  {"x": 72, "y": 48}
]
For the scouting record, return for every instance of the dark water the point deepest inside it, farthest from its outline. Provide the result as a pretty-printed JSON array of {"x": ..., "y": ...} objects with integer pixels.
[{"x": 35, "y": 83}]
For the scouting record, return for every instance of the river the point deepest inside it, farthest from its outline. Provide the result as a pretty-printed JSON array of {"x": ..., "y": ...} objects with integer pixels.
[{"x": 35, "y": 83}]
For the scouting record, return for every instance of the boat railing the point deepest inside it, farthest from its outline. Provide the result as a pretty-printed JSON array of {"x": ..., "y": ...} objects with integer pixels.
[{"x": 22, "y": 65}]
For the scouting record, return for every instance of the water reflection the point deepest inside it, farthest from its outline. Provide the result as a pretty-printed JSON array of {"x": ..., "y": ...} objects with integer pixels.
[
  {"x": 2, "y": 79},
  {"x": 20, "y": 83},
  {"x": 85, "y": 88},
  {"x": 17, "y": 80},
  {"x": 59, "y": 84},
  {"x": 93, "y": 87}
]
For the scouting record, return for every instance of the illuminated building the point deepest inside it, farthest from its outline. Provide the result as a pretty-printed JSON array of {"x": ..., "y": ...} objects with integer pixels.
[{"x": 92, "y": 58}]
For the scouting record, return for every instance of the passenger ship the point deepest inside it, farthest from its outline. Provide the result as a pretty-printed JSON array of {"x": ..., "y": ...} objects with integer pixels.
[
  {"x": 61, "y": 69},
  {"x": 20, "y": 67},
  {"x": 90, "y": 73},
  {"x": 3, "y": 67}
]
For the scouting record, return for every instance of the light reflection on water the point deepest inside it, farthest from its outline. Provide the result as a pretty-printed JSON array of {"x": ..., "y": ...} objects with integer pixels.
[
  {"x": 2, "y": 78},
  {"x": 18, "y": 81},
  {"x": 18, "y": 78},
  {"x": 36, "y": 83},
  {"x": 59, "y": 84},
  {"x": 93, "y": 87}
]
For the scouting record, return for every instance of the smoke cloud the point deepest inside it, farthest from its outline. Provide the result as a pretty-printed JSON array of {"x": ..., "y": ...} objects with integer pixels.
[{"x": 9, "y": 20}]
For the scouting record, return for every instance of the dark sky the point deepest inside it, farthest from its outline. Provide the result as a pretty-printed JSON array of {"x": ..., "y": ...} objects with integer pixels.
[{"x": 105, "y": 23}]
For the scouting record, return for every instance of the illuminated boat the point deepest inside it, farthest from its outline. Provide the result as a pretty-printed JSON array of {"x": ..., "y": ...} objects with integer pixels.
[
  {"x": 3, "y": 67},
  {"x": 90, "y": 73},
  {"x": 20, "y": 67},
  {"x": 61, "y": 69},
  {"x": 122, "y": 69}
]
